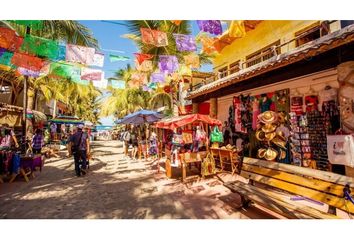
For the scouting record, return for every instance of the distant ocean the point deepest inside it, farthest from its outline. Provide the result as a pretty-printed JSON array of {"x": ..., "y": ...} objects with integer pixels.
[{"x": 103, "y": 127}]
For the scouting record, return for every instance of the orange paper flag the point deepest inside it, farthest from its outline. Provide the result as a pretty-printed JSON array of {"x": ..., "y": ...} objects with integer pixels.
[{"x": 237, "y": 29}]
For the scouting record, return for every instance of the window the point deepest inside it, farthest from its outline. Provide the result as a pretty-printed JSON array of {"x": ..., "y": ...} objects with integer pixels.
[
  {"x": 308, "y": 34},
  {"x": 222, "y": 72},
  {"x": 262, "y": 55},
  {"x": 234, "y": 67}
]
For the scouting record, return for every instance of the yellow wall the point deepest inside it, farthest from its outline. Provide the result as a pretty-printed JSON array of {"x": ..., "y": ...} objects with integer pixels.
[{"x": 265, "y": 33}]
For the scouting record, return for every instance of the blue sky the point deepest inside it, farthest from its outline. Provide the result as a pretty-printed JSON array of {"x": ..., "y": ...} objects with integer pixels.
[{"x": 109, "y": 38}]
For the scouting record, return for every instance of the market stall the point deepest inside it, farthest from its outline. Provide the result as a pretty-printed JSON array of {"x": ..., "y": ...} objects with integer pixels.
[{"x": 184, "y": 142}]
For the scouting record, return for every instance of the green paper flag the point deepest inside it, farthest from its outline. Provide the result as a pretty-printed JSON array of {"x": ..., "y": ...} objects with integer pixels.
[
  {"x": 33, "y": 24},
  {"x": 5, "y": 59},
  {"x": 115, "y": 58},
  {"x": 40, "y": 47},
  {"x": 64, "y": 70}
]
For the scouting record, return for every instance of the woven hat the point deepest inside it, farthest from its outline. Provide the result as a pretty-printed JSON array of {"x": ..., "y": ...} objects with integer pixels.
[
  {"x": 270, "y": 136},
  {"x": 279, "y": 142},
  {"x": 267, "y": 128},
  {"x": 281, "y": 135},
  {"x": 260, "y": 135},
  {"x": 261, "y": 152},
  {"x": 268, "y": 117},
  {"x": 270, "y": 154},
  {"x": 282, "y": 117},
  {"x": 228, "y": 146}
]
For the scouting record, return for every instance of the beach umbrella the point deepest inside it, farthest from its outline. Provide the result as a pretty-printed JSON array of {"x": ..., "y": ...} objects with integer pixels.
[{"x": 140, "y": 117}]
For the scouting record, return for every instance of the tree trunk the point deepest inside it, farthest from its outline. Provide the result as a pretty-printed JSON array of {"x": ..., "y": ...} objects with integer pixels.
[{"x": 55, "y": 109}]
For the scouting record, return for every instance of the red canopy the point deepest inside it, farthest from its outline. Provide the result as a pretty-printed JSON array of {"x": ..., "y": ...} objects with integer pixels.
[{"x": 180, "y": 121}]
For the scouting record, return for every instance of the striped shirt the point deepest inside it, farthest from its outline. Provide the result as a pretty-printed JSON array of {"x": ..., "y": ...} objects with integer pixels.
[{"x": 37, "y": 141}]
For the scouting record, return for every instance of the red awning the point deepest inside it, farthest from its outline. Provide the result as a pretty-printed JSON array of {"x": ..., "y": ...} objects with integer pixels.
[{"x": 180, "y": 121}]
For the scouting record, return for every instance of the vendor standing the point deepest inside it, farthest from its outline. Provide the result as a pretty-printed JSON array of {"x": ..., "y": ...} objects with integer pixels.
[
  {"x": 8, "y": 137},
  {"x": 226, "y": 131},
  {"x": 37, "y": 142}
]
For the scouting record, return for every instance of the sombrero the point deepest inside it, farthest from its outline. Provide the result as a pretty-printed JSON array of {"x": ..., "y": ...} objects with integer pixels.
[
  {"x": 267, "y": 128},
  {"x": 270, "y": 154},
  {"x": 281, "y": 135},
  {"x": 279, "y": 142},
  {"x": 260, "y": 135},
  {"x": 261, "y": 152},
  {"x": 268, "y": 117},
  {"x": 282, "y": 117},
  {"x": 270, "y": 136}
]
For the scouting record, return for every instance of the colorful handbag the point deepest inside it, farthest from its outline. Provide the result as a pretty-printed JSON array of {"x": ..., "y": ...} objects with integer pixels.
[
  {"x": 216, "y": 135},
  {"x": 177, "y": 139}
]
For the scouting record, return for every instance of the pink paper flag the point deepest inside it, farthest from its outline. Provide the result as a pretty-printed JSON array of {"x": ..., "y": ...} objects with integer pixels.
[
  {"x": 91, "y": 74},
  {"x": 80, "y": 54}
]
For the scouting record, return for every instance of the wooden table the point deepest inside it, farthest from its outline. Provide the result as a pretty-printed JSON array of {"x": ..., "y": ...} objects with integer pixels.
[
  {"x": 226, "y": 156},
  {"x": 193, "y": 159},
  {"x": 28, "y": 162}
]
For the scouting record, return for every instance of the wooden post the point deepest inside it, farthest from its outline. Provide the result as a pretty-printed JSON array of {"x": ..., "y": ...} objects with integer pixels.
[
  {"x": 213, "y": 107},
  {"x": 195, "y": 107}
]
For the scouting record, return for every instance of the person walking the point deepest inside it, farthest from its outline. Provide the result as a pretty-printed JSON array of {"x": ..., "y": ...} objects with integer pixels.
[
  {"x": 79, "y": 146},
  {"x": 37, "y": 142},
  {"x": 126, "y": 140},
  {"x": 134, "y": 141}
]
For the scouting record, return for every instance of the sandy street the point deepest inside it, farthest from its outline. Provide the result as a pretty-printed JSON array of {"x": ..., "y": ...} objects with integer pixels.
[{"x": 116, "y": 187}]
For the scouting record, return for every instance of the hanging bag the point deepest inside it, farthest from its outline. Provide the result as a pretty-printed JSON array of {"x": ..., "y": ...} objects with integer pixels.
[
  {"x": 208, "y": 166},
  {"x": 340, "y": 149},
  {"x": 200, "y": 134},
  {"x": 216, "y": 136}
]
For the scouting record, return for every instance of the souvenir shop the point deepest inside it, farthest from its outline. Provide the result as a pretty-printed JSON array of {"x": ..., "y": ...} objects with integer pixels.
[
  {"x": 303, "y": 121},
  {"x": 184, "y": 144}
]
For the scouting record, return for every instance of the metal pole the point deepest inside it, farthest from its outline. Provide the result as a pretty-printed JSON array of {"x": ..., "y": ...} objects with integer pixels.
[{"x": 25, "y": 99}]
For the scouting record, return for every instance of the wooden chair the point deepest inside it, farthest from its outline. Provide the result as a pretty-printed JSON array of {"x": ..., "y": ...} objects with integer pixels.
[{"x": 321, "y": 186}]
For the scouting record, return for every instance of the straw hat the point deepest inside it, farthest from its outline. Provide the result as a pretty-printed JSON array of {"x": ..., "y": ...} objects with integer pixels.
[
  {"x": 268, "y": 117},
  {"x": 279, "y": 142},
  {"x": 281, "y": 135},
  {"x": 261, "y": 152},
  {"x": 270, "y": 154},
  {"x": 282, "y": 154},
  {"x": 267, "y": 128},
  {"x": 228, "y": 146},
  {"x": 270, "y": 136},
  {"x": 282, "y": 117},
  {"x": 260, "y": 135}
]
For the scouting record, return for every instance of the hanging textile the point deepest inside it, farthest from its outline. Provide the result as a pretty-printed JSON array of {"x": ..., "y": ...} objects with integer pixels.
[
  {"x": 91, "y": 74},
  {"x": 210, "y": 26},
  {"x": 33, "y": 24},
  {"x": 157, "y": 78},
  {"x": 27, "y": 61},
  {"x": 98, "y": 60},
  {"x": 146, "y": 66},
  {"x": 176, "y": 22},
  {"x": 208, "y": 44},
  {"x": 40, "y": 46},
  {"x": 185, "y": 70},
  {"x": 168, "y": 63},
  {"x": 2, "y": 50},
  {"x": 9, "y": 39},
  {"x": 100, "y": 84},
  {"x": 185, "y": 42},
  {"x": 141, "y": 57},
  {"x": 63, "y": 70},
  {"x": 5, "y": 58},
  {"x": 192, "y": 60},
  {"x": 118, "y": 84},
  {"x": 79, "y": 54},
  {"x": 27, "y": 72},
  {"x": 115, "y": 58},
  {"x": 154, "y": 37},
  {"x": 237, "y": 29},
  {"x": 160, "y": 38},
  {"x": 147, "y": 36}
]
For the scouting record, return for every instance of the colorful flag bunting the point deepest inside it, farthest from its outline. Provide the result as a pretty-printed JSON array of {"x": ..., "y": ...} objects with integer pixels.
[
  {"x": 100, "y": 84},
  {"x": 27, "y": 61},
  {"x": 210, "y": 26},
  {"x": 63, "y": 70},
  {"x": 80, "y": 54},
  {"x": 168, "y": 63},
  {"x": 115, "y": 58},
  {"x": 157, "y": 78},
  {"x": 40, "y": 46},
  {"x": 192, "y": 60},
  {"x": 118, "y": 84},
  {"x": 98, "y": 60},
  {"x": 237, "y": 29},
  {"x": 79, "y": 81},
  {"x": 146, "y": 66},
  {"x": 141, "y": 57},
  {"x": 33, "y": 24},
  {"x": 61, "y": 52},
  {"x": 139, "y": 77},
  {"x": 5, "y": 58},
  {"x": 91, "y": 74},
  {"x": 208, "y": 44},
  {"x": 185, "y": 42},
  {"x": 27, "y": 72},
  {"x": 154, "y": 37},
  {"x": 9, "y": 39}
]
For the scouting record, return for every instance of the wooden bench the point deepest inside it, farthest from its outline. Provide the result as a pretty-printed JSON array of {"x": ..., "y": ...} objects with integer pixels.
[
  {"x": 321, "y": 186},
  {"x": 226, "y": 157}
]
